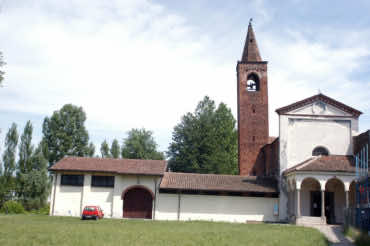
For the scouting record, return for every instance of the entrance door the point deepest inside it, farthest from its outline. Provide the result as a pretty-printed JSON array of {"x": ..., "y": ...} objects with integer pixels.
[
  {"x": 316, "y": 203},
  {"x": 329, "y": 207},
  {"x": 137, "y": 203}
]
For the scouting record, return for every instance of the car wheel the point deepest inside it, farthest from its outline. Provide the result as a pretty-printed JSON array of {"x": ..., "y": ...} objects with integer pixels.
[{"x": 83, "y": 217}]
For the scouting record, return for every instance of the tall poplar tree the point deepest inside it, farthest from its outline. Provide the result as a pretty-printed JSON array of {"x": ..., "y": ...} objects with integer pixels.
[
  {"x": 115, "y": 149},
  {"x": 104, "y": 149},
  {"x": 24, "y": 164},
  {"x": 7, "y": 181}
]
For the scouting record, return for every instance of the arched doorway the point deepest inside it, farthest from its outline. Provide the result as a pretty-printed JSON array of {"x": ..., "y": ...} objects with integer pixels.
[
  {"x": 310, "y": 197},
  {"x": 335, "y": 201},
  {"x": 137, "y": 202}
]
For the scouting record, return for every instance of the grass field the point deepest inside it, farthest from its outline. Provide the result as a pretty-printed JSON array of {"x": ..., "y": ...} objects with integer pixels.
[{"x": 45, "y": 230}]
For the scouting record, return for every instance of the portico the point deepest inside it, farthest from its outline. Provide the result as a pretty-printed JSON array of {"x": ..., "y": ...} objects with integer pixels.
[{"x": 321, "y": 194}]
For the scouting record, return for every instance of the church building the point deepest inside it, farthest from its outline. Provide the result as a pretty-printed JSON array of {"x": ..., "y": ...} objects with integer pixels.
[{"x": 305, "y": 175}]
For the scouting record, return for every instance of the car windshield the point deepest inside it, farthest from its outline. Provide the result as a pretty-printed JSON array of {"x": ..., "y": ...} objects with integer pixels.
[{"x": 89, "y": 209}]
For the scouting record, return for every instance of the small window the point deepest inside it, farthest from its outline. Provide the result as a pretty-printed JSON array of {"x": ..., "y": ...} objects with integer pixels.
[
  {"x": 75, "y": 180},
  {"x": 253, "y": 83},
  {"x": 102, "y": 181},
  {"x": 253, "y": 108},
  {"x": 320, "y": 151}
]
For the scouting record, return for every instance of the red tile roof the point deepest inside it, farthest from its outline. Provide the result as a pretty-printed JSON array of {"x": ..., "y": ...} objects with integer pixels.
[
  {"x": 331, "y": 163},
  {"x": 319, "y": 97},
  {"x": 215, "y": 182},
  {"x": 120, "y": 166}
]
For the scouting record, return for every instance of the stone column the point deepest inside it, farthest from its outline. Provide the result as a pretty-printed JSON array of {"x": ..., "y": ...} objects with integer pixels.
[
  {"x": 323, "y": 204},
  {"x": 298, "y": 203},
  {"x": 347, "y": 199}
]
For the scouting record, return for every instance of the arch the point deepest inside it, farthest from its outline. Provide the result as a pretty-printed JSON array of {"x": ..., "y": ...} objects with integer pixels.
[
  {"x": 310, "y": 197},
  {"x": 335, "y": 200},
  {"x": 253, "y": 82},
  {"x": 136, "y": 186},
  {"x": 137, "y": 202},
  {"x": 320, "y": 150}
]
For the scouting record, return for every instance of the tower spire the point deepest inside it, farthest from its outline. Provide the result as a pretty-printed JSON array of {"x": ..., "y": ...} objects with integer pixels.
[{"x": 251, "y": 52}]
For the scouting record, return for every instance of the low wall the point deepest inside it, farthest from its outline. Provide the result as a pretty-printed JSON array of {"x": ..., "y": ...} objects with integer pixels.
[{"x": 215, "y": 208}]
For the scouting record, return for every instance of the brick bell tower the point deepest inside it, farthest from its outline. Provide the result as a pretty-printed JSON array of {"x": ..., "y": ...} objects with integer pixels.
[{"x": 253, "y": 127}]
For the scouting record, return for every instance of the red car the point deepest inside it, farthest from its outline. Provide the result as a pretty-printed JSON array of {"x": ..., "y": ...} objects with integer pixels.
[{"x": 92, "y": 212}]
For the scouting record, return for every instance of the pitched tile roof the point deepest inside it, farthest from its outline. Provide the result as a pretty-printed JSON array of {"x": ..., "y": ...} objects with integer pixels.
[
  {"x": 330, "y": 163},
  {"x": 319, "y": 97},
  {"x": 120, "y": 166},
  {"x": 215, "y": 182}
]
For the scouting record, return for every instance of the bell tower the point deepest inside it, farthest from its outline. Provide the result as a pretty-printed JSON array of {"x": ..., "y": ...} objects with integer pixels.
[{"x": 253, "y": 127}]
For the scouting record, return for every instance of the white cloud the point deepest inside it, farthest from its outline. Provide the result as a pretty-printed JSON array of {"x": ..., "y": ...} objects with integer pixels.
[{"x": 136, "y": 64}]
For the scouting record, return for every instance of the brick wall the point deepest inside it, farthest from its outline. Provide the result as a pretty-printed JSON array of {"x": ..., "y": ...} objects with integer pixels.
[{"x": 253, "y": 130}]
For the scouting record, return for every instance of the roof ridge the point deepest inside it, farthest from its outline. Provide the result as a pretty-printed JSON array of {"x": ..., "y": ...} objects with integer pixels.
[{"x": 322, "y": 97}]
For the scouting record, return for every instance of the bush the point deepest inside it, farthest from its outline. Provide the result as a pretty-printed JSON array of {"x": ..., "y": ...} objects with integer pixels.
[
  {"x": 44, "y": 210},
  {"x": 12, "y": 207}
]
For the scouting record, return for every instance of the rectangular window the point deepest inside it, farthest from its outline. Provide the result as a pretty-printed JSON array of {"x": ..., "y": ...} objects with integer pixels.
[
  {"x": 102, "y": 181},
  {"x": 75, "y": 180}
]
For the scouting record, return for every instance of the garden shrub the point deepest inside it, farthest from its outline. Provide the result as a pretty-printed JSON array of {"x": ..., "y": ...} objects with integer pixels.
[{"x": 12, "y": 207}]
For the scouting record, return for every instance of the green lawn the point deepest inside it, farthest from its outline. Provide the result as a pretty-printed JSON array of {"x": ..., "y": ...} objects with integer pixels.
[{"x": 45, "y": 230}]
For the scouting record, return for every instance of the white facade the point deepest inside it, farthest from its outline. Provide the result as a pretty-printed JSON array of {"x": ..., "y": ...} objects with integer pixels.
[
  {"x": 70, "y": 200},
  {"x": 301, "y": 130}
]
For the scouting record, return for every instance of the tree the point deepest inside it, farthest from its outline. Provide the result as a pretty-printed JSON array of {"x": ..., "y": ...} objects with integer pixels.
[
  {"x": 36, "y": 184},
  {"x": 64, "y": 134},
  {"x": 91, "y": 150},
  {"x": 205, "y": 141},
  {"x": 7, "y": 182},
  {"x": 2, "y": 63},
  {"x": 104, "y": 149},
  {"x": 140, "y": 144},
  {"x": 25, "y": 149},
  {"x": 115, "y": 150},
  {"x": 24, "y": 161}
]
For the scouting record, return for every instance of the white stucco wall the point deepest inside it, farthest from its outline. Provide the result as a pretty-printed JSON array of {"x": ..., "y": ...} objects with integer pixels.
[
  {"x": 70, "y": 200},
  {"x": 216, "y": 208},
  {"x": 303, "y": 129},
  {"x": 67, "y": 199}
]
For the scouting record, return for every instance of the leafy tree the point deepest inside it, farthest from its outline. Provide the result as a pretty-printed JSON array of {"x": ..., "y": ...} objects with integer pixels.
[
  {"x": 104, "y": 149},
  {"x": 91, "y": 150},
  {"x": 36, "y": 184},
  {"x": 2, "y": 63},
  {"x": 32, "y": 179},
  {"x": 115, "y": 150},
  {"x": 140, "y": 144},
  {"x": 7, "y": 182},
  {"x": 24, "y": 161},
  {"x": 64, "y": 134},
  {"x": 205, "y": 141},
  {"x": 25, "y": 149}
]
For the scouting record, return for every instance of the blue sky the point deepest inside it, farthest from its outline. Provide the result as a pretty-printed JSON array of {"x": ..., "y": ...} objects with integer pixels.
[{"x": 139, "y": 63}]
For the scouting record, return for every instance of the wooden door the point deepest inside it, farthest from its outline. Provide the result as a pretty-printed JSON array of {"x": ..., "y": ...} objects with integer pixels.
[{"x": 137, "y": 203}]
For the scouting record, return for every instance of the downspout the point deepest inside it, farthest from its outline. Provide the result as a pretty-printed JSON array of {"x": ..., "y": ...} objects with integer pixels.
[
  {"x": 155, "y": 197},
  {"x": 179, "y": 205},
  {"x": 55, "y": 187}
]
